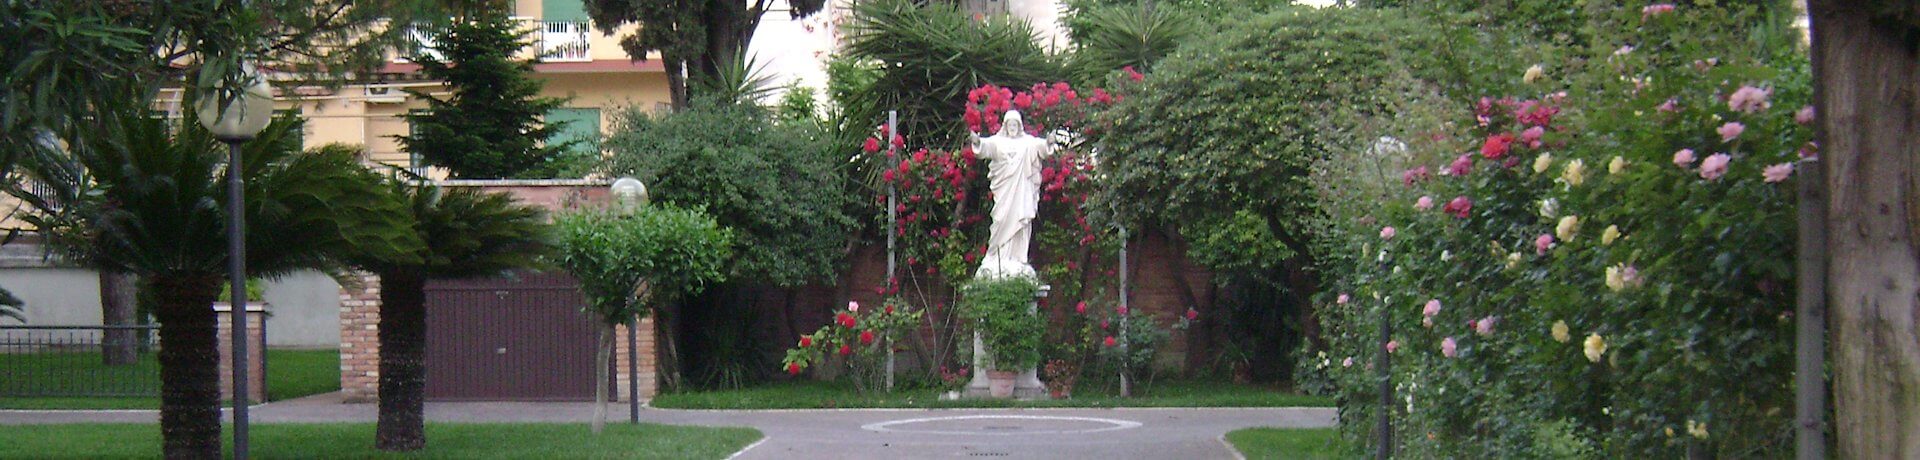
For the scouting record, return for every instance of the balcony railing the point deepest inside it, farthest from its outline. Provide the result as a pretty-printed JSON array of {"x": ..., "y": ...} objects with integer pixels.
[
  {"x": 564, "y": 41},
  {"x": 558, "y": 41}
]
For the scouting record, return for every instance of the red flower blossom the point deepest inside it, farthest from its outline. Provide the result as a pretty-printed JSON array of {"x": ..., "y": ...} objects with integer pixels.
[
  {"x": 806, "y": 341},
  {"x": 1080, "y": 308},
  {"x": 847, "y": 321},
  {"x": 1459, "y": 207},
  {"x": 866, "y": 337},
  {"x": 793, "y": 369},
  {"x": 1108, "y": 342},
  {"x": 1121, "y": 309},
  {"x": 1134, "y": 75},
  {"x": 846, "y": 350},
  {"x": 1192, "y": 314},
  {"x": 872, "y": 145},
  {"x": 1023, "y": 101},
  {"x": 1461, "y": 165},
  {"x": 1496, "y": 146}
]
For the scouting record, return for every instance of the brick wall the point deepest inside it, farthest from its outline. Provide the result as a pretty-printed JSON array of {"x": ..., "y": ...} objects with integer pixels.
[
  {"x": 359, "y": 337},
  {"x": 256, "y": 351}
]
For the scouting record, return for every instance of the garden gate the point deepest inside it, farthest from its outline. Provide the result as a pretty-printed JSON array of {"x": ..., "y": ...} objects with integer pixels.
[{"x": 521, "y": 337}]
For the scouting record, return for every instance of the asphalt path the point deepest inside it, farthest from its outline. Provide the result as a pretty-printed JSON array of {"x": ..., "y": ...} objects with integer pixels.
[{"x": 1103, "y": 434}]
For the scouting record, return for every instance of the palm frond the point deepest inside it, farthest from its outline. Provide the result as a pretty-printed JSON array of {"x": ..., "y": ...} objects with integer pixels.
[
  {"x": 931, "y": 55},
  {"x": 740, "y": 79},
  {"x": 1121, "y": 36}
]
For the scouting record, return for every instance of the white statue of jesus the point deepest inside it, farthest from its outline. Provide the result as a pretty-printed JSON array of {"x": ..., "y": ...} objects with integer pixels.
[{"x": 1013, "y": 160}]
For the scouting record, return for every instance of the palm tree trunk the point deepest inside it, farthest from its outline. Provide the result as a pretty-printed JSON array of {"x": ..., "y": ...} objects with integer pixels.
[
  {"x": 403, "y": 363},
  {"x": 117, "y": 301},
  {"x": 189, "y": 365}
]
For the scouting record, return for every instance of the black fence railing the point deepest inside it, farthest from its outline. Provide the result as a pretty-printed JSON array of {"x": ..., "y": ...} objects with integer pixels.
[{"x": 77, "y": 361}]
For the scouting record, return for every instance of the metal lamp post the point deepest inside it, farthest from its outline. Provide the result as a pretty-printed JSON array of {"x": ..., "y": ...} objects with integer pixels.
[
  {"x": 629, "y": 194},
  {"x": 236, "y": 115}
]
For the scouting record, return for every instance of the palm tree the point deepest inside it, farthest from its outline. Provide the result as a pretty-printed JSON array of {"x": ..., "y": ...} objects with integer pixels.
[
  {"x": 153, "y": 204},
  {"x": 467, "y": 234}
]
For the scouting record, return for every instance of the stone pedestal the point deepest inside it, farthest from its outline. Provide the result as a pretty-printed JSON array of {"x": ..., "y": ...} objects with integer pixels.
[
  {"x": 1026, "y": 386},
  {"x": 256, "y": 351}
]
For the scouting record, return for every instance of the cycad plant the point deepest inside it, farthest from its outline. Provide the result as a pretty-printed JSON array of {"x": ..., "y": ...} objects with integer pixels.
[
  {"x": 1115, "y": 37},
  {"x": 152, "y": 203},
  {"x": 931, "y": 55},
  {"x": 466, "y": 233}
]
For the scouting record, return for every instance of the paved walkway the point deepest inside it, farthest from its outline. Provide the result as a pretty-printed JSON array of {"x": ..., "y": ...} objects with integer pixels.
[{"x": 1104, "y": 434}]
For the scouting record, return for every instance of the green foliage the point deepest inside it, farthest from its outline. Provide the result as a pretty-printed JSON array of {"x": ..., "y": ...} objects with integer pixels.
[
  {"x": 739, "y": 79},
  {"x": 491, "y": 126},
  {"x": 1116, "y": 37},
  {"x": 1001, "y": 309},
  {"x": 797, "y": 105},
  {"x": 650, "y": 255},
  {"x": 66, "y": 62},
  {"x": 152, "y": 202},
  {"x": 466, "y": 232},
  {"x": 773, "y": 184},
  {"x": 10, "y": 306},
  {"x": 695, "y": 37},
  {"x": 930, "y": 56},
  {"x": 1219, "y": 139},
  {"x": 1604, "y": 296}
]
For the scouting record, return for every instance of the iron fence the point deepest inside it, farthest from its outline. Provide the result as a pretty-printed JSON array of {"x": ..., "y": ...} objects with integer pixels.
[{"x": 78, "y": 361}]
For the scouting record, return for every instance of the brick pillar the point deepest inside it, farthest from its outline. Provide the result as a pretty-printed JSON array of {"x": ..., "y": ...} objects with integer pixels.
[
  {"x": 256, "y": 351},
  {"x": 649, "y": 379},
  {"x": 359, "y": 339}
]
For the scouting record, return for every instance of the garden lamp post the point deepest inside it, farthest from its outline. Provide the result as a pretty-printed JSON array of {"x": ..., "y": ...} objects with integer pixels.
[
  {"x": 236, "y": 115},
  {"x": 629, "y": 194}
]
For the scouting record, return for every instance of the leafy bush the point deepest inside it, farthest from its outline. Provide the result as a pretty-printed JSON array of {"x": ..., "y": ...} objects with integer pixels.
[
  {"x": 1001, "y": 310},
  {"x": 656, "y": 253},
  {"x": 1602, "y": 274},
  {"x": 774, "y": 184}
]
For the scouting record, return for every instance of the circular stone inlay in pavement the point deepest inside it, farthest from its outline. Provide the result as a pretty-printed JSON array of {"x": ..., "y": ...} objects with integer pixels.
[{"x": 1000, "y": 425}]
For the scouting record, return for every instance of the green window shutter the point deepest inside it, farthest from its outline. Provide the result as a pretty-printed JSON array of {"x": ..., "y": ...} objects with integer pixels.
[
  {"x": 563, "y": 11},
  {"x": 583, "y": 124}
]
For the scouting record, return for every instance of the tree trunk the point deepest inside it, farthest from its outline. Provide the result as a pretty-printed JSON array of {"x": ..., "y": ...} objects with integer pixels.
[
  {"x": 602, "y": 361},
  {"x": 676, "y": 82},
  {"x": 403, "y": 363},
  {"x": 117, "y": 302},
  {"x": 189, "y": 366},
  {"x": 1864, "y": 60}
]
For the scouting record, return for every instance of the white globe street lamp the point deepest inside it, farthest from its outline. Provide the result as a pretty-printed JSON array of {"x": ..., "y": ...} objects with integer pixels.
[
  {"x": 629, "y": 193},
  {"x": 236, "y": 115}
]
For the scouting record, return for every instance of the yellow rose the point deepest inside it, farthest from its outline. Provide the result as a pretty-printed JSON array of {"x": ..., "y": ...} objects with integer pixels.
[
  {"x": 1542, "y": 162},
  {"x": 1534, "y": 74},
  {"x": 1595, "y": 347},
  {"x": 1513, "y": 260},
  {"x": 1560, "y": 333},
  {"x": 1575, "y": 174},
  {"x": 1568, "y": 228},
  {"x": 1615, "y": 281},
  {"x": 1617, "y": 165},
  {"x": 1611, "y": 233}
]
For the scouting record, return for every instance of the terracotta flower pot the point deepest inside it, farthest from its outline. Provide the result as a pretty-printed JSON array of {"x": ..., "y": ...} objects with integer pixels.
[{"x": 1000, "y": 383}]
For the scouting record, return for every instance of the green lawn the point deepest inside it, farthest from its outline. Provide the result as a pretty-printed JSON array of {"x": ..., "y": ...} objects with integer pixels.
[
  {"x": 821, "y": 395},
  {"x": 1294, "y": 443},
  {"x": 355, "y": 440},
  {"x": 290, "y": 374}
]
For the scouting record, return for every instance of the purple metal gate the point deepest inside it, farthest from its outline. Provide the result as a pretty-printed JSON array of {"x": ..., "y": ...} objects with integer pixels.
[{"x": 518, "y": 338}]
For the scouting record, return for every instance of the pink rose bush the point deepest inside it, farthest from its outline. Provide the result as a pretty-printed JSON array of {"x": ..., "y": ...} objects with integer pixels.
[{"x": 1688, "y": 288}]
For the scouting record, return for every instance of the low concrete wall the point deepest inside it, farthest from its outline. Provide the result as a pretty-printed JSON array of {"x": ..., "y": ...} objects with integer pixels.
[{"x": 304, "y": 308}]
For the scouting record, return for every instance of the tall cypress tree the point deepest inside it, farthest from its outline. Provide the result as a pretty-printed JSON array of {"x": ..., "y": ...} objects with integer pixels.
[{"x": 491, "y": 126}]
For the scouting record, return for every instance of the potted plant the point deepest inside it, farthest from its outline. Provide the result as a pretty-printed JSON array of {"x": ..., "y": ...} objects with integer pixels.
[{"x": 1002, "y": 311}]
